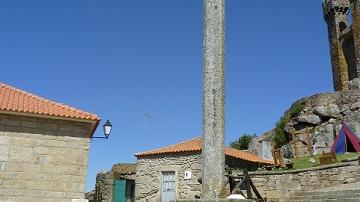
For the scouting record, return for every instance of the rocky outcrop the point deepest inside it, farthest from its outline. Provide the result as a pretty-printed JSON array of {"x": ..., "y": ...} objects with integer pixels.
[
  {"x": 322, "y": 116},
  {"x": 319, "y": 119}
]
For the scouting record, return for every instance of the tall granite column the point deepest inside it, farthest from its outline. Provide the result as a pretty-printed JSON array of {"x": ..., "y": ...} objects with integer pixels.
[
  {"x": 213, "y": 99},
  {"x": 356, "y": 32}
]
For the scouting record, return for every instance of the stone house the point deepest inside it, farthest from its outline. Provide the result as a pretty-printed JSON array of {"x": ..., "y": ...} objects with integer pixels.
[
  {"x": 173, "y": 172},
  {"x": 116, "y": 185},
  {"x": 44, "y": 148}
]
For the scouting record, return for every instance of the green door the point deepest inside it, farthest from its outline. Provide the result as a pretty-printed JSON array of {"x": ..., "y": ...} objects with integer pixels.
[{"x": 119, "y": 190}]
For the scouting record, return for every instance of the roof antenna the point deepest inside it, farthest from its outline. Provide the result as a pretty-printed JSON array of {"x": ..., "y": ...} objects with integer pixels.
[{"x": 146, "y": 117}]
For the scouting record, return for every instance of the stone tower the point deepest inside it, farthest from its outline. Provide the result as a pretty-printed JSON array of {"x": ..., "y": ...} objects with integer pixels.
[
  {"x": 356, "y": 33},
  {"x": 335, "y": 15}
]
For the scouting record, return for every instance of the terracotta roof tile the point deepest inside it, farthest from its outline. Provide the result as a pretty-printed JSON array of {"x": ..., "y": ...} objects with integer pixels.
[
  {"x": 195, "y": 145},
  {"x": 245, "y": 156},
  {"x": 15, "y": 100},
  {"x": 186, "y": 146}
]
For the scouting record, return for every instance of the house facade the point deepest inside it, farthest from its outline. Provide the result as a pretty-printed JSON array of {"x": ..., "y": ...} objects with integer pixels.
[
  {"x": 174, "y": 172},
  {"x": 44, "y": 148}
]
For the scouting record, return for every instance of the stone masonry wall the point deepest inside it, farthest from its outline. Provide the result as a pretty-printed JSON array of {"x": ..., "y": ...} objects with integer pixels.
[
  {"x": 104, "y": 187},
  {"x": 149, "y": 173},
  {"x": 42, "y": 159},
  {"x": 281, "y": 185}
]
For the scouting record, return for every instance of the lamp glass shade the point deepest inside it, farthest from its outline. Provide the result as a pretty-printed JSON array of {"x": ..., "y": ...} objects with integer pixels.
[{"x": 107, "y": 128}]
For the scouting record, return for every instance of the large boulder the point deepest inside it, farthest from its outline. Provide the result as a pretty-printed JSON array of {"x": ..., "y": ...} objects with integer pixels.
[
  {"x": 324, "y": 136},
  {"x": 309, "y": 118},
  {"x": 331, "y": 110}
]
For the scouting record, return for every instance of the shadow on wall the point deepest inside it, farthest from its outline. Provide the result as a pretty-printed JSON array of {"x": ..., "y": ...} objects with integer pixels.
[{"x": 52, "y": 127}]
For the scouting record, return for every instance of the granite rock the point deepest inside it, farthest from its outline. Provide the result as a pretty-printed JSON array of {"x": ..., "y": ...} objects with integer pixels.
[{"x": 310, "y": 118}]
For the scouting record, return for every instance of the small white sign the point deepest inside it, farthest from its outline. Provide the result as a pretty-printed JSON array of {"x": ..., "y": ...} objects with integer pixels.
[{"x": 187, "y": 175}]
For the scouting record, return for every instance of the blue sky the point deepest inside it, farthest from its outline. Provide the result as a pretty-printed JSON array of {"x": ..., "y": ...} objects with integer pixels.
[{"x": 119, "y": 59}]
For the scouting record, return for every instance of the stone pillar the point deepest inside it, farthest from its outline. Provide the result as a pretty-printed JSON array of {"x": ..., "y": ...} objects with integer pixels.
[
  {"x": 335, "y": 15},
  {"x": 213, "y": 99},
  {"x": 356, "y": 32}
]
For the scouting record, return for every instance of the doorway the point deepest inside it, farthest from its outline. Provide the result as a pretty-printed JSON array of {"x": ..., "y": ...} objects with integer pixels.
[{"x": 168, "y": 186}]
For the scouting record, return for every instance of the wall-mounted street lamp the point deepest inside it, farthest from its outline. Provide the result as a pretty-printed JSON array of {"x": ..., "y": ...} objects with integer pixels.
[{"x": 107, "y": 129}]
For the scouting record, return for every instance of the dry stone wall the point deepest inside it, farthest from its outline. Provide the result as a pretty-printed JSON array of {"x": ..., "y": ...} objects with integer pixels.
[
  {"x": 42, "y": 159},
  {"x": 281, "y": 185},
  {"x": 104, "y": 187},
  {"x": 149, "y": 175}
]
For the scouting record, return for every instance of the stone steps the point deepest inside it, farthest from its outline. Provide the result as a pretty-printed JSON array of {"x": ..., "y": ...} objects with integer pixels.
[{"x": 330, "y": 196}]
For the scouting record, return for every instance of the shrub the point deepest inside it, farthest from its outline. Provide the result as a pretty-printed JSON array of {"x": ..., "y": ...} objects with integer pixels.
[
  {"x": 243, "y": 142},
  {"x": 281, "y": 136}
]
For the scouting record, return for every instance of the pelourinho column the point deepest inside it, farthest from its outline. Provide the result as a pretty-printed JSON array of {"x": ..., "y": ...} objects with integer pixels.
[{"x": 213, "y": 99}]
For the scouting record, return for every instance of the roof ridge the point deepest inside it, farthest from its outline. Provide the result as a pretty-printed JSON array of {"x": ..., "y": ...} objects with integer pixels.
[
  {"x": 166, "y": 147},
  {"x": 124, "y": 164}
]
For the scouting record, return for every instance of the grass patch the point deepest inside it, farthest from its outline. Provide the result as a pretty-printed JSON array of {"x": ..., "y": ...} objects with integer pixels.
[{"x": 302, "y": 162}]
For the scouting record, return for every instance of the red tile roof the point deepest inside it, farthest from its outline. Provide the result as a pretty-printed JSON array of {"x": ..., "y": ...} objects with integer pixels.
[
  {"x": 15, "y": 100},
  {"x": 245, "y": 156},
  {"x": 195, "y": 145}
]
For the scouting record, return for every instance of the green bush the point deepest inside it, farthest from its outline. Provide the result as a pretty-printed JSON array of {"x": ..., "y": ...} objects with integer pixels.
[
  {"x": 281, "y": 136},
  {"x": 296, "y": 108},
  {"x": 243, "y": 142}
]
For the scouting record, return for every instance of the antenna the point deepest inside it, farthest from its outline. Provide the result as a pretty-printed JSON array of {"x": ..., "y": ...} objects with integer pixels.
[{"x": 146, "y": 117}]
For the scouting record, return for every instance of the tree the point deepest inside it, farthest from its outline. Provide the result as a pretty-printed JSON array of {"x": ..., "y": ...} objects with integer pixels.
[{"x": 243, "y": 142}]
